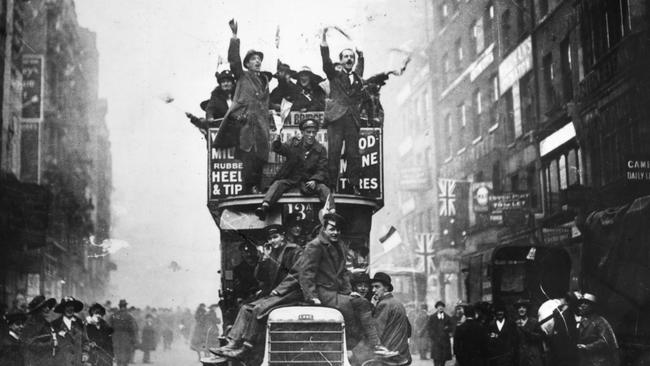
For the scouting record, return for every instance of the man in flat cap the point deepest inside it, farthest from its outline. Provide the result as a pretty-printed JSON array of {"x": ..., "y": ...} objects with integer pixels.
[
  {"x": 280, "y": 286},
  {"x": 597, "y": 344},
  {"x": 37, "y": 333},
  {"x": 248, "y": 113},
  {"x": 305, "y": 168},
  {"x": 72, "y": 341}
]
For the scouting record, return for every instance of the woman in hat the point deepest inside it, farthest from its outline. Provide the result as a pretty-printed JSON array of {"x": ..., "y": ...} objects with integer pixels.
[
  {"x": 37, "y": 334},
  {"x": 100, "y": 334},
  {"x": 71, "y": 338},
  {"x": 310, "y": 98},
  {"x": 11, "y": 344}
]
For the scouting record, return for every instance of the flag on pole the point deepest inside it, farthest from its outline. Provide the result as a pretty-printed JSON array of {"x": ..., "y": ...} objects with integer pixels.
[{"x": 391, "y": 239}]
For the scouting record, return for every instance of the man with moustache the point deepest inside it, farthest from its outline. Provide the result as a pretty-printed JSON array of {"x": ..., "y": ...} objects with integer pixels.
[
  {"x": 72, "y": 341},
  {"x": 37, "y": 334},
  {"x": 342, "y": 112},
  {"x": 305, "y": 168}
]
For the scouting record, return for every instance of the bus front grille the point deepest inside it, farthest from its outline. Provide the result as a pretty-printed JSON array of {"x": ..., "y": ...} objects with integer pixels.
[{"x": 306, "y": 344}]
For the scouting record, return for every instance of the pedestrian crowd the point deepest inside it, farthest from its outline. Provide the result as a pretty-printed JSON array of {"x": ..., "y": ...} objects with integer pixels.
[
  {"x": 483, "y": 334},
  {"x": 45, "y": 332},
  {"x": 245, "y": 110}
]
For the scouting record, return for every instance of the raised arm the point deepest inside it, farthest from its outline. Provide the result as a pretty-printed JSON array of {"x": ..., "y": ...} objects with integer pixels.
[
  {"x": 360, "y": 63},
  {"x": 328, "y": 67},
  {"x": 234, "y": 58}
]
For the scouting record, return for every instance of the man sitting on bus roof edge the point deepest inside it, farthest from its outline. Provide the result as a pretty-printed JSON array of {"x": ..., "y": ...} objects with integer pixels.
[
  {"x": 325, "y": 280},
  {"x": 305, "y": 168},
  {"x": 280, "y": 286}
]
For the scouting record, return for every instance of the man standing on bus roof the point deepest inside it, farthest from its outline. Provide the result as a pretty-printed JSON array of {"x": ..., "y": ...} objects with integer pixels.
[
  {"x": 248, "y": 116},
  {"x": 276, "y": 267},
  {"x": 342, "y": 112},
  {"x": 597, "y": 345},
  {"x": 305, "y": 168},
  {"x": 325, "y": 279}
]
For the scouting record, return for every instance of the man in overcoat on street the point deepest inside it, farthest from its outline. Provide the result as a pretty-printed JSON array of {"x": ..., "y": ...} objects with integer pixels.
[
  {"x": 342, "y": 112},
  {"x": 280, "y": 286},
  {"x": 72, "y": 341},
  {"x": 470, "y": 340},
  {"x": 38, "y": 334},
  {"x": 439, "y": 327},
  {"x": 125, "y": 335},
  {"x": 502, "y": 339},
  {"x": 249, "y": 112}
]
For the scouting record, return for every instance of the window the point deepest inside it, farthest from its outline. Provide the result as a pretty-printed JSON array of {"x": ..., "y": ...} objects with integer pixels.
[
  {"x": 462, "y": 117},
  {"x": 443, "y": 13},
  {"x": 478, "y": 36},
  {"x": 560, "y": 171},
  {"x": 459, "y": 53},
  {"x": 604, "y": 25},
  {"x": 565, "y": 65},
  {"x": 477, "y": 113},
  {"x": 448, "y": 132},
  {"x": 495, "y": 88},
  {"x": 526, "y": 92},
  {"x": 549, "y": 75},
  {"x": 477, "y": 100},
  {"x": 488, "y": 19},
  {"x": 521, "y": 20},
  {"x": 506, "y": 37},
  {"x": 509, "y": 116},
  {"x": 445, "y": 69}
]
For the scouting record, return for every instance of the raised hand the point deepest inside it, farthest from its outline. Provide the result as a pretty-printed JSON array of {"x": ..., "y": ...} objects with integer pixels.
[{"x": 233, "y": 26}]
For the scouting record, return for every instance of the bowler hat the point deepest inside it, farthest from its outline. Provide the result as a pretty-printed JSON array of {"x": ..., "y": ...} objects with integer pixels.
[
  {"x": 587, "y": 297},
  {"x": 69, "y": 300},
  {"x": 384, "y": 279},
  {"x": 499, "y": 306},
  {"x": 273, "y": 229},
  {"x": 40, "y": 301},
  {"x": 307, "y": 123},
  {"x": 439, "y": 303},
  {"x": 268, "y": 75},
  {"x": 252, "y": 53},
  {"x": 122, "y": 303},
  {"x": 16, "y": 317},
  {"x": 224, "y": 75},
  {"x": 97, "y": 309}
]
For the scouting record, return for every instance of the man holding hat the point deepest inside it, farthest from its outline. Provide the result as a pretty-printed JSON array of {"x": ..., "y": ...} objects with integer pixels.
[
  {"x": 310, "y": 97},
  {"x": 248, "y": 113},
  {"x": 72, "y": 341},
  {"x": 11, "y": 353},
  {"x": 37, "y": 334},
  {"x": 280, "y": 287},
  {"x": 529, "y": 336},
  {"x": 125, "y": 334},
  {"x": 325, "y": 280},
  {"x": 440, "y": 327},
  {"x": 305, "y": 168},
  {"x": 597, "y": 345},
  {"x": 393, "y": 326}
]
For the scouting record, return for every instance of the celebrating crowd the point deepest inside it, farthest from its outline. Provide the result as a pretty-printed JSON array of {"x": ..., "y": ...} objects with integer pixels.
[{"x": 46, "y": 333}]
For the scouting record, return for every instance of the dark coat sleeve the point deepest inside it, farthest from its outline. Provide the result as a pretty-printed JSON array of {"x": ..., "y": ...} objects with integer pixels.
[
  {"x": 361, "y": 62},
  {"x": 234, "y": 58},
  {"x": 308, "y": 268},
  {"x": 328, "y": 66}
]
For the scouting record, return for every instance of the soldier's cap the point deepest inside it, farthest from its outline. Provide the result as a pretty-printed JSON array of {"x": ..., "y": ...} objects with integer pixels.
[
  {"x": 252, "y": 53},
  {"x": 16, "y": 317},
  {"x": 587, "y": 297},
  {"x": 39, "y": 301},
  {"x": 69, "y": 300},
  {"x": 273, "y": 229},
  {"x": 307, "y": 123},
  {"x": 332, "y": 216},
  {"x": 224, "y": 75}
]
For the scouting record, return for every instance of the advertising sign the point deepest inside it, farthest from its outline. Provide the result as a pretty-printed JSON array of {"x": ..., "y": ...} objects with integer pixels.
[
  {"x": 32, "y": 71},
  {"x": 370, "y": 148},
  {"x": 508, "y": 201},
  {"x": 296, "y": 117},
  {"x": 516, "y": 65},
  {"x": 637, "y": 168},
  {"x": 481, "y": 192},
  {"x": 224, "y": 170}
]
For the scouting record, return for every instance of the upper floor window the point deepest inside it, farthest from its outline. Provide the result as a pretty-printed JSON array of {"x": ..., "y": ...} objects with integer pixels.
[
  {"x": 506, "y": 36},
  {"x": 459, "y": 53}
]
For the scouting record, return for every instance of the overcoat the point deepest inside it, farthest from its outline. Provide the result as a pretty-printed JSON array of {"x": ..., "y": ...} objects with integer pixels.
[
  {"x": 249, "y": 110},
  {"x": 125, "y": 335},
  {"x": 148, "y": 339},
  {"x": 101, "y": 334},
  {"x": 37, "y": 338},
  {"x": 393, "y": 326},
  {"x": 344, "y": 97},
  {"x": 530, "y": 343},
  {"x": 11, "y": 353},
  {"x": 72, "y": 342},
  {"x": 470, "y": 343},
  {"x": 440, "y": 332},
  {"x": 502, "y": 348},
  {"x": 601, "y": 345},
  {"x": 302, "y": 164}
]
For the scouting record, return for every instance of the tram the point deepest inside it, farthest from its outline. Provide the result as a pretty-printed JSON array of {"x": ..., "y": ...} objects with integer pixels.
[{"x": 233, "y": 213}]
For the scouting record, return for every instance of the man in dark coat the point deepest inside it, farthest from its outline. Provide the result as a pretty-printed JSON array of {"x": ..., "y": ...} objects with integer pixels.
[
  {"x": 286, "y": 88},
  {"x": 530, "y": 336},
  {"x": 248, "y": 113},
  {"x": 148, "y": 339},
  {"x": 72, "y": 341},
  {"x": 276, "y": 270},
  {"x": 342, "y": 113},
  {"x": 325, "y": 279},
  {"x": 305, "y": 168},
  {"x": 597, "y": 344},
  {"x": 470, "y": 341},
  {"x": 502, "y": 339},
  {"x": 38, "y": 334},
  {"x": 11, "y": 344},
  {"x": 100, "y": 335},
  {"x": 125, "y": 335},
  {"x": 245, "y": 283},
  {"x": 393, "y": 326},
  {"x": 439, "y": 327},
  {"x": 310, "y": 97}
]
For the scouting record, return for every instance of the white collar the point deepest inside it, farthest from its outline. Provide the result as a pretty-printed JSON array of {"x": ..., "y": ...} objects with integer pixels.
[
  {"x": 500, "y": 323},
  {"x": 13, "y": 334}
]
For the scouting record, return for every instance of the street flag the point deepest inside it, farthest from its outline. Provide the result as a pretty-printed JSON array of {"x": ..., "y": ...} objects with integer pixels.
[
  {"x": 453, "y": 214},
  {"x": 391, "y": 239}
]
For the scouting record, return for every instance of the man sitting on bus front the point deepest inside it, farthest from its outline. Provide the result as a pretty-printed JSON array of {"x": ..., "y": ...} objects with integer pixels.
[
  {"x": 276, "y": 265},
  {"x": 325, "y": 279},
  {"x": 305, "y": 168}
]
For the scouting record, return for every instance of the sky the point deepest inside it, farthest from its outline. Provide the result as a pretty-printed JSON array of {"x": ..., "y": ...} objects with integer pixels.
[{"x": 154, "y": 48}]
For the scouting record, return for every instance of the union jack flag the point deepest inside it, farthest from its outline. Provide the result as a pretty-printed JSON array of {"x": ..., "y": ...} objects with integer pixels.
[{"x": 447, "y": 197}]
